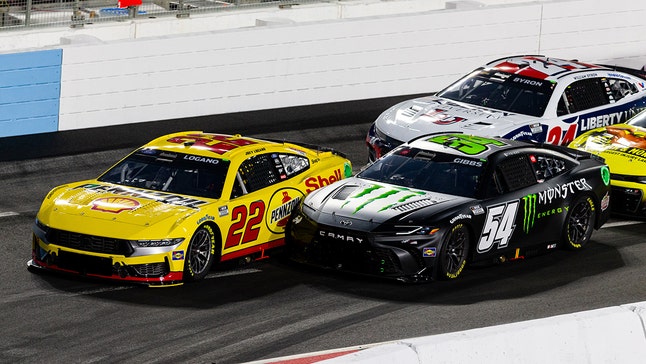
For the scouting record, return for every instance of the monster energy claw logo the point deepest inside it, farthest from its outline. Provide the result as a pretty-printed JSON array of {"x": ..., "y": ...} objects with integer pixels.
[{"x": 529, "y": 203}]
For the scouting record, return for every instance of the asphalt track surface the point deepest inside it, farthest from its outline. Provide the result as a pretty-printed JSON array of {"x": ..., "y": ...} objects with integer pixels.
[{"x": 268, "y": 309}]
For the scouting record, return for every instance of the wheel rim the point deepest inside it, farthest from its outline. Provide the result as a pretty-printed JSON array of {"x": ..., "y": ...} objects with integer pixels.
[
  {"x": 455, "y": 251},
  {"x": 579, "y": 223},
  {"x": 200, "y": 251}
]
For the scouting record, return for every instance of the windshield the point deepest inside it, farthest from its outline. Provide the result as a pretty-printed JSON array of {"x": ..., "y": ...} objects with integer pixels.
[
  {"x": 424, "y": 170},
  {"x": 502, "y": 91},
  {"x": 184, "y": 174},
  {"x": 639, "y": 120}
]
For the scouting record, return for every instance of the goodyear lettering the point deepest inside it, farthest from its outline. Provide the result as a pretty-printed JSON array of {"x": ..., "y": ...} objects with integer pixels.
[
  {"x": 314, "y": 183},
  {"x": 460, "y": 217},
  {"x": 561, "y": 192},
  {"x": 284, "y": 210}
]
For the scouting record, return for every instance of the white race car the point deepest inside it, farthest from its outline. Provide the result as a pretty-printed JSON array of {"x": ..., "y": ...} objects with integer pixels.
[{"x": 522, "y": 98}]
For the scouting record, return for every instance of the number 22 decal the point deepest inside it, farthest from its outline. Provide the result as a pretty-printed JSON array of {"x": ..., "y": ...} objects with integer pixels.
[
  {"x": 245, "y": 230},
  {"x": 499, "y": 226}
]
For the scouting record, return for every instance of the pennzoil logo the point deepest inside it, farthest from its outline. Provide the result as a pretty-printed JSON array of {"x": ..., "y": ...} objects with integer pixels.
[
  {"x": 114, "y": 205},
  {"x": 281, "y": 205}
]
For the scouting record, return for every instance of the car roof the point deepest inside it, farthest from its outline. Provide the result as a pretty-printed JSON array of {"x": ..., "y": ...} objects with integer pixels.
[
  {"x": 542, "y": 67},
  {"x": 212, "y": 145},
  {"x": 465, "y": 145}
]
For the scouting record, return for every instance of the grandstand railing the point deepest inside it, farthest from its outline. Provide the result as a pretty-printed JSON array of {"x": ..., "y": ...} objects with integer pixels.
[{"x": 20, "y": 14}]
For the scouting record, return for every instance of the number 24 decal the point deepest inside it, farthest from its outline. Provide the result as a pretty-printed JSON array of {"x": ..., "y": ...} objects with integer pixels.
[
  {"x": 245, "y": 224},
  {"x": 499, "y": 226}
]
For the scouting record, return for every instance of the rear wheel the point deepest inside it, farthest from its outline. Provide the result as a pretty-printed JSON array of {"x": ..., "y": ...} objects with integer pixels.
[
  {"x": 579, "y": 223},
  {"x": 453, "y": 253},
  {"x": 200, "y": 254}
]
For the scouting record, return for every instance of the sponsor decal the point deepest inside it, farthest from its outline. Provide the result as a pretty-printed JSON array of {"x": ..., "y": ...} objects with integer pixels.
[
  {"x": 551, "y": 246},
  {"x": 223, "y": 210},
  {"x": 114, "y": 205},
  {"x": 162, "y": 197},
  {"x": 205, "y": 218},
  {"x": 605, "y": 202},
  {"x": 468, "y": 162},
  {"x": 605, "y": 175},
  {"x": 429, "y": 252},
  {"x": 562, "y": 191},
  {"x": 280, "y": 207},
  {"x": 215, "y": 143},
  {"x": 467, "y": 144},
  {"x": 441, "y": 117},
  {"x": 460, "y": 217},
  {"x": 399, "y": 195},
  {"x": 178, "y": 255},
  {"x": 317, "y": 182},
  {"x": 529, "y": 209},
  {"x": 477, "y": 210}
]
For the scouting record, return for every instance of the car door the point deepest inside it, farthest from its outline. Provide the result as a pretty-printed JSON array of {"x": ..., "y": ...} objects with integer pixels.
[
  {"x": 523, "y": 208},
  {"x": 262, "y": 198}
]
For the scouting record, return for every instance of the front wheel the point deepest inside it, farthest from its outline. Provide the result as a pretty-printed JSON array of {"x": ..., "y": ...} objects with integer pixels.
[
  {"x": 453, "y": 253},
  {"x": 579, "y": 223},
  {"x": 200, "y": 254}
]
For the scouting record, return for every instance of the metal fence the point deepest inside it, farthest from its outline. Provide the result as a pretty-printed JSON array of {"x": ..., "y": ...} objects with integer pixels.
[{"x": 17, "y": 14}]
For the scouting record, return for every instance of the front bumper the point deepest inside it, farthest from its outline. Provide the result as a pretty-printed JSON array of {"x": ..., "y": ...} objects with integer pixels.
[
  {"x": 359, "y": 252},
  {"x": 627, "y": 200},
  {"x": 164, "y": 269}
]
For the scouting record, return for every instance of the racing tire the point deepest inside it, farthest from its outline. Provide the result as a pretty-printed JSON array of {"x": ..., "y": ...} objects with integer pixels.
[
  {"x": 200, "y": 254},
  {"x": 579, "y": 223},
  {"x": 453, "y": 254}
]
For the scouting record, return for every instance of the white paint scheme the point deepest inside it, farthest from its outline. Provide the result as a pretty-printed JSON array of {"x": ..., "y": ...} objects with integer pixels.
[
  {"x": 607, "y": 335},
  {"x": 125, "y": 75}
]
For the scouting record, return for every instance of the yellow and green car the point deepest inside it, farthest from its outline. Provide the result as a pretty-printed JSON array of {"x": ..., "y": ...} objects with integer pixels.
[
  {"x": 168, "y": 211},
  {"x": 623, "y": 146}
]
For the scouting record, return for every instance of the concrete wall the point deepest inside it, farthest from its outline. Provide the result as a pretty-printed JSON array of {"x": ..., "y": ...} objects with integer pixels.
[
  {"x": 287, "y": 63},
  {"x": 607, "y": 335}
]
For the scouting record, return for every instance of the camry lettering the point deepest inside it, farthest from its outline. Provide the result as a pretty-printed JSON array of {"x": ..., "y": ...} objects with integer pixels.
[{"x": 341, "y": 237}]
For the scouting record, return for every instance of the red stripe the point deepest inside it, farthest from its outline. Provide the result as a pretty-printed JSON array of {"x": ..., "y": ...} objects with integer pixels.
[{"x": 254, "y": 249}]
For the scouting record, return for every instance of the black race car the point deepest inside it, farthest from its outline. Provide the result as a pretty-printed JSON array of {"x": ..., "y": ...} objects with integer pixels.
[{"x": 427, "y": 208}]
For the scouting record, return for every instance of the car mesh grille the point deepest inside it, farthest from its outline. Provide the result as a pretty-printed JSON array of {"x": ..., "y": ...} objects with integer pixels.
[
  {"x": 351, "y": 255},
  {"x": 89, "y": 243},
  {"x": 150, "y": 270},
  {"x": 625, "y": 202}
]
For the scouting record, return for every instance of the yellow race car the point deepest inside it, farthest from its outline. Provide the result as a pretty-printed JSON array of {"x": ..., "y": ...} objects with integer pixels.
[
  {"x": 623, "y": 146},
  {"x": 168, "y": 211}
]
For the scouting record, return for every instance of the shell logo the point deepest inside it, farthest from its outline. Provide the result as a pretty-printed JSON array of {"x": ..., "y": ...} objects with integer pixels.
[{"x": 114, "y": 205}]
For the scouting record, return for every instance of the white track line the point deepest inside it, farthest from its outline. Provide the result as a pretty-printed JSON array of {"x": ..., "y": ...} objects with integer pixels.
[{"x": 8, "y": 213}]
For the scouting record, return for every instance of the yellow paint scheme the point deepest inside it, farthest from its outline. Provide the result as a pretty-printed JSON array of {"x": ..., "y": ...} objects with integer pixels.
[
  {"x": 623, "y": 147},
  {"x": 245, "y": 226}
]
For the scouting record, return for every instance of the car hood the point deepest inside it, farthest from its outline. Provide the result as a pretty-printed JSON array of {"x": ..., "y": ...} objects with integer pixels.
[
  {"x": 101, "y": 209},
  {"x": 355, "y": 200},
  {"x": 622, "y": 146},
  {"x": 431, "y": 114}
]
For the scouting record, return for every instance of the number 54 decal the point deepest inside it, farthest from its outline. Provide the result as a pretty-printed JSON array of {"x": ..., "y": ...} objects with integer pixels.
[{"x": 499, "y": 226}]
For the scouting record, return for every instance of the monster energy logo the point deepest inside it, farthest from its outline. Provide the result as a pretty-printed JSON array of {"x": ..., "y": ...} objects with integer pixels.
[{"x": 529, "y": 203}]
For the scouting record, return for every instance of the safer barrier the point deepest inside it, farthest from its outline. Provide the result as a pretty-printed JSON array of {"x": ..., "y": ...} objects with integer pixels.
[{"x": 607, "y": 335}]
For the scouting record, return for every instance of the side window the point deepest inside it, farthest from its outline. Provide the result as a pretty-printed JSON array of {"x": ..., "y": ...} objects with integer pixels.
[
  {"x": 515, "y": 173},
  {"x": 264, "y": 170},
  {"x": 620, "y": 88},
  {"x": 258, "y": 172},
  {"x": 582, "y": 95},
  {"x": 547, "y": 166}
]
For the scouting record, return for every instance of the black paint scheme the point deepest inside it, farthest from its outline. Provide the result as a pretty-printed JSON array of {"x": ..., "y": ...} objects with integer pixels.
[{"x": 431, "y": 206}]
